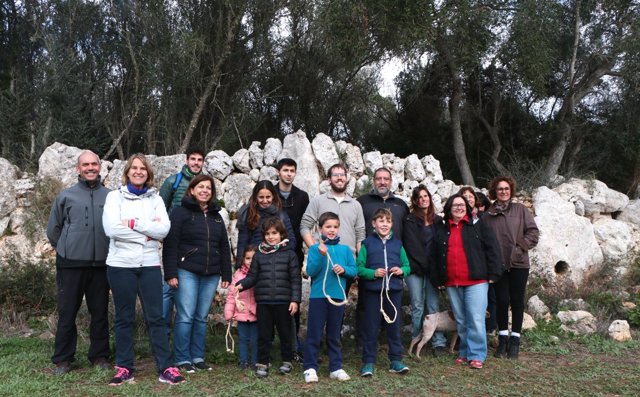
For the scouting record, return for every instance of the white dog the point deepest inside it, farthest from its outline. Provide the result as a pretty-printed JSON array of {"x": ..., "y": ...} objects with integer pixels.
[{"x": 441, "y": 321}]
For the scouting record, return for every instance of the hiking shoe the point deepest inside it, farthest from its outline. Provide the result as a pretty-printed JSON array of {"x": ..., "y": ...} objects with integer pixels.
[
  {"x": 310, "y": 376},
  {"x": 123, "y": 375},
  {"x": 339, "y": 375},
  {"x": 439, "y": 351},
  {"x": 298, "y": 357},
  {"x": 285, "y": 368},
  {"x": 262, "y": 371},
  {"x": 397, "y": 367},
  {"x": 514, "y": 347},
  {"x": 366, "y": 370},
  {"x": 62, "y": 368},
  {"x": 461, "y": 361},
  {"x": 171, "y": 376},
  {"x": 477, "y": 364},
  {"x": 243, "y": 365},
  {"x": 187, "y": 368},
  {"x": 202, "y": 366},
  {"x": 102, "y": 363}
]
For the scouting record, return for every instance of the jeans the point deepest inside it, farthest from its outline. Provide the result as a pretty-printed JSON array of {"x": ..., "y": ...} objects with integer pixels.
[
  {"x": 510, "y": 290},
  {"x": 73, "y": 284},
  {"x": 423, "y": 293},
  {"x": 323, "y": 314},
  {"x": 193, "y": 301},
  {"x": 248, "y": 335},
  {"x": 126, "y": 285},
  {"x": 372, "y": 322},
  {"x": 168, "y": 295},
  {"x": 269, "y": 316},
  {"x": 469, "y": 305}
]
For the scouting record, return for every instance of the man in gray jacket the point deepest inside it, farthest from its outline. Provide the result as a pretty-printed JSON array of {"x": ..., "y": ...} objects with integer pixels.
[{"x": 75, "y": 231}]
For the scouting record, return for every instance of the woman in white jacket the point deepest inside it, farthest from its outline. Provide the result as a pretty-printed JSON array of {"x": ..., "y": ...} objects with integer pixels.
[{"x": 135, "y": 220}]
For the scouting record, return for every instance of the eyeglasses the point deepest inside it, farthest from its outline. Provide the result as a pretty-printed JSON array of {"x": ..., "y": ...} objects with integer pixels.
[
  {"x": 338, "y": 175},
  {"x": 458, "y": 206},
  {"x": 503, "y": 189}
]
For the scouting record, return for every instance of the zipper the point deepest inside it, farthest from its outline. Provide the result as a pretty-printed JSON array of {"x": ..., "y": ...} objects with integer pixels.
[
  {"x": 188, "y": 254},
  {"x": 93, "y": 229},
  {"x": 206, "y": 222}
]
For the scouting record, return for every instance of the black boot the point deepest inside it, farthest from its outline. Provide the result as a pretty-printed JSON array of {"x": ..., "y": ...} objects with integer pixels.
[
  {"x": 514, "y": 347},
  {"x": 501, "y": 351}
]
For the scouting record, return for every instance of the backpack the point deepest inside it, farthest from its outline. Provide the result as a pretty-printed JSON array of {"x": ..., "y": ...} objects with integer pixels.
[{"x": 177, "y": 182}]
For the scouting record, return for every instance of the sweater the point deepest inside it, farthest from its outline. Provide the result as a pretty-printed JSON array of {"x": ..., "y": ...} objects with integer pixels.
[{"x": 316, "y": 269}]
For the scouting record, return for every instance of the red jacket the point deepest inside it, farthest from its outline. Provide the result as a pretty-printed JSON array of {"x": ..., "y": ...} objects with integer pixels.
[
  {"x": 246, "y": 296},
  {"x": 457, "y": 265}
]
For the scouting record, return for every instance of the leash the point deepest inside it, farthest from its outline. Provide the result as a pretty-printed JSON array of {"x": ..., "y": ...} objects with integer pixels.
[
  {"x": 330, "y": 264},
  {"x": 228, "y": 338},
  {"x": 385, "y": 287}
]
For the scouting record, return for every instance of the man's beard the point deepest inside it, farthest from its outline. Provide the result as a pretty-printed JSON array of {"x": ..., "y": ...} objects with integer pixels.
[
  {"x": 382, "y": 191},
  {"x": 338, "y": 189}
]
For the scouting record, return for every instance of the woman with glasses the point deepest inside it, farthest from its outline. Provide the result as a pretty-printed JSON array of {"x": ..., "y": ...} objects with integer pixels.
[
  {"x": 517, "y": 233},
  {"x": 264, "y": 203},
  {"x": 467, "y": 259}
]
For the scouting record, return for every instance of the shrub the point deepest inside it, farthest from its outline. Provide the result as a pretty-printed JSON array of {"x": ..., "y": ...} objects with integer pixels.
[{"x": 28, "y": 287}]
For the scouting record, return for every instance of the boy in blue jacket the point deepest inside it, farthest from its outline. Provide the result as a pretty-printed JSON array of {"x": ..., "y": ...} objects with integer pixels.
[
  {"x": 382, "y": 264},
  {"x": 329, "y": 264}
]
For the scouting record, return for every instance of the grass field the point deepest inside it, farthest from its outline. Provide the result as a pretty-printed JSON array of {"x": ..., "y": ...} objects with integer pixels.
[{"x": 567, "y": 366}]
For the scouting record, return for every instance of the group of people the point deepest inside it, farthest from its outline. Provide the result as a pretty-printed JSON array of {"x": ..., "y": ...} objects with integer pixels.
[{"x": 476, "y": 252}]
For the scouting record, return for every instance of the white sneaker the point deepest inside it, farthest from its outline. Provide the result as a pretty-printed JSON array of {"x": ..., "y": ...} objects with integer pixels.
[
  {"x": 310, "y": 376},
  {"x": 340, "y": 375}
]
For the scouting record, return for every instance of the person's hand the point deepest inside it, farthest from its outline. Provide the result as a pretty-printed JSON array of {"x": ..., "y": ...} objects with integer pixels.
[
  {"x": 239, "y": 287},
  {"x": 173, "y": 282},
  {"x": 224, "y": 285},
  {"x": 492, "y": 281},
  {"x": 396, "y": 271},
  {"x": 380, "y": 273},
  {"x": 322, "y": 248},
  {"x": 337, "y": 269},
  {"x": 293, "y": 308}
]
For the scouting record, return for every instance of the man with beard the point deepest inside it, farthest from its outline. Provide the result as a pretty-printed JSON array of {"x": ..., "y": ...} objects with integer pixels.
[
  {"x": 336, "y": 200},
  {"x": 382, "y": 197},
  {"x": 75, "y": 231}
]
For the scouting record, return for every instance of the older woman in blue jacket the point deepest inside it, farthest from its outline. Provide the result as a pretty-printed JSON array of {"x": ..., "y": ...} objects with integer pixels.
[{"x": 196, "y": 255}]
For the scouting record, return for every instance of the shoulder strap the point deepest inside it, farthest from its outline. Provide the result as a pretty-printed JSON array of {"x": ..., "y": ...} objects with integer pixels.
[{"x": 177, "y": 182}]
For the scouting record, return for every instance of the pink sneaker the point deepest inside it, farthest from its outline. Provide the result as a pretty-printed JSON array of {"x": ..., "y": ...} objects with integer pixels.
[
  {"x": 123, "y": 375},
  {"x": 477, "y": 364},
  {"x": 171, "y": 376},
  {"x": 461, "y": 361}
]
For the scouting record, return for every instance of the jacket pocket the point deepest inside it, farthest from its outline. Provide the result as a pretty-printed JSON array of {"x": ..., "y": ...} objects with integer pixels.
[
  {"x": 517, "y": 255},
  {"x": 188, "y": 254}
]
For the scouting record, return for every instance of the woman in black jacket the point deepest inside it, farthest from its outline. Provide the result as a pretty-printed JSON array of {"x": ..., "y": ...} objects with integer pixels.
[
  {"x": 417, "y": 240},
  {"x": 196, "y": 255}
]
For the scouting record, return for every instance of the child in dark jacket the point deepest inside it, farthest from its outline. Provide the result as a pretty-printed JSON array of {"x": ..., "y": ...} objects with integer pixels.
[
  {"x": 276, "y": 276},
  {"x": 382, "y": 264},
  {"x": 329, "y": 265}
]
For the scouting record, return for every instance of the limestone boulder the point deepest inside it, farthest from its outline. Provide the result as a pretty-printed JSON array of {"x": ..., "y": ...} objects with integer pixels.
[
  {"x": 363, "y": 185},
  {"x": 565, "y": 238},
  {"x": 351, "y": 156},
  {"x": 256, "y": 155},
  {"x": 270, "y": 173},
  {"x": 527, "y": 321},
  {"x": 620, "y": 331},
  {"x": 9, "y": 174},
  {"x": 372, "y": 161},
  {"x": 58, "y": 161},
  {"x": 254, "y": 174},
  {"x": 615, "y": 239},
  {"x": 237, "y": 190},
  {"x": 536, "y": 307},
  {"x": 413, "y": 168},
  {"x": 165, "y": 166},
  {"x": 432, "y": 169},
  {"x": 272, "y": 149},
  {"x": 577, "y": 322},
  {"x": 219, "y": 164},
  {"x": 298, "y": 147},
  {"x": 446, "y": 188},
  {"x": 631, "y": 213},
  {"x": 594, "y": 194},
  {"x": 325, "y": 151},
  {"x": 574, "y": 304},
  {"x": 241, "y": 160}
]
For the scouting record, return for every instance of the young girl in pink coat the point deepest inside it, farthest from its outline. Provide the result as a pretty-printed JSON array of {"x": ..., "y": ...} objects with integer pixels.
[{"x": 243, "y": 309}]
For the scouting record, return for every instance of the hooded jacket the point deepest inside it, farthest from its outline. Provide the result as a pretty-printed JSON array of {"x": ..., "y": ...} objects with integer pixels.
[
  {"x": 137, "y": 246},
  {"x": 246, "y": 296},
  {"x": 197, "y": 242},
  {"x": 75, "y": 227}
]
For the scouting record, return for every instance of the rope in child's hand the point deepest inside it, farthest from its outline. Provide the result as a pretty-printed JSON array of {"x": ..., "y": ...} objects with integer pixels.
[
  {"x": 330, "y": 264},
  {"x": 386, "y": 279},
  {"x": 228, "y": 338}
]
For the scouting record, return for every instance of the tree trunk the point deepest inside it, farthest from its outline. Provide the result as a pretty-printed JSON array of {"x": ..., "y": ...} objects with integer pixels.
[{"x": 456, "y": 130}]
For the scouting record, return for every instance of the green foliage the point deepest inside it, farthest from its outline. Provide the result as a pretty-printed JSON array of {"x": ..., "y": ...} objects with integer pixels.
[
  {"x": 28, "y": 287},
  {"x": 36, "y": 218}
]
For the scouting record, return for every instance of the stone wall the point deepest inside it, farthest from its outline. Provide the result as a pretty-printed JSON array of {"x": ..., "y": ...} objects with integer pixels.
[{"x": 583, "y": 224}]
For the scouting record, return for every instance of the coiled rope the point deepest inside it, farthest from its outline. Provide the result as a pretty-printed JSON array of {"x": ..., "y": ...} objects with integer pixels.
[{"x": 330, "y": 264}]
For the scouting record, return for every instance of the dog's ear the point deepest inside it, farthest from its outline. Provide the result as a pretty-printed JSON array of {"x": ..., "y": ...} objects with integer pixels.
[{"x": 450, "y": 313}]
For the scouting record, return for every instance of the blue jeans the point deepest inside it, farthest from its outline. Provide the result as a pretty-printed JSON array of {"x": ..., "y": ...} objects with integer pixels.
[
  {"x": 168, "y": 300},
  {"x": 193, "y": 301},
  {"x": 469, "y": 305},
  {"x": 322, "y": 314},
  {"x": 423, "y": 293},
  {"x": 146, "y": 283},
  {"x": 248, "y": 335}
]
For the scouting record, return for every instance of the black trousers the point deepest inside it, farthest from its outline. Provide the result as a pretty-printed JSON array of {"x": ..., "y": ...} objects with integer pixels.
[
  {"x": 268, "y": 317},
  {"x": 510, "y": 290},
  {"x": 74, "y": 284}
]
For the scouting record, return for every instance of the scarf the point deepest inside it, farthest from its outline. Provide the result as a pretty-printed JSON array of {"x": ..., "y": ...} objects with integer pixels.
[
  {"x": 500, "y": 206},
  {"x": 326, "y": 240},
  {"x": 267, "y": 248},
  {"x": 134, "y": 190}
]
